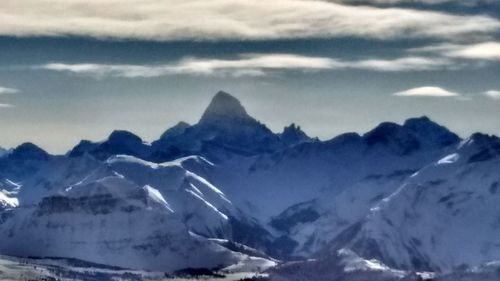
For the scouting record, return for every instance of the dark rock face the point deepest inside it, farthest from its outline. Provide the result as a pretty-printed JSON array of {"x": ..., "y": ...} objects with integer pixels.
[
  {"x": 393, "y": 136},
  {"x": 224, "y": 128},
  {"x": 415, "y": 134},
  {"x": 250, "y": 233},
  {"x": 28, "y": 151},
  {"x": 175, "y": 131},
  {"x": 25, "y": 160},
  {"x": 224, "y": 108},
  {"x": 293, "y": 135},
  {"x": 119, "y": 142},
  {"x": 83, "y": 147},
  {"x": 297, "y": 214},
  {"x": 95, "y": 205},
  {"x": 488, "y": 147},
  {"x": 431, "y": 132}
]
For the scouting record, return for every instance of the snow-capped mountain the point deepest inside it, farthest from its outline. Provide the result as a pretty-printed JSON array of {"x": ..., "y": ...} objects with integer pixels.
[
  {"x": 227, "y": 191},
  {"x": 311, "y": 192},
  {"x": 124, "y": 211},
  {"x": 442, "y": 217},
  {"x": 341, "y": 265}
]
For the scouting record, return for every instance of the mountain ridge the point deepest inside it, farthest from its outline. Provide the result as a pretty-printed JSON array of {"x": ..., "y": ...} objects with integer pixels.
[{"x": 230, "y": 178}]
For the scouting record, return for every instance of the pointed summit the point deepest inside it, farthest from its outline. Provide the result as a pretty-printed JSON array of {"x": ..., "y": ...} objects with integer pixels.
[
  {"x": 224, "y": 107},
  {"x": 293, "y": 135}
]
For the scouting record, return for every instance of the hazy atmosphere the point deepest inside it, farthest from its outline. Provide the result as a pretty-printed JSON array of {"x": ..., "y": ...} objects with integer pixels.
[
  {"x": 250, "y": 140},
  {"x": 68, "y": 73}
]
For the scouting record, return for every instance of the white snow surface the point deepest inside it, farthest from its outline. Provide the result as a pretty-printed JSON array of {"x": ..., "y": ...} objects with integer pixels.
[
  {"x": 444, "y": 217},
  {"x": 406, "y": 197},
  {"x": 124, "y": 212}
]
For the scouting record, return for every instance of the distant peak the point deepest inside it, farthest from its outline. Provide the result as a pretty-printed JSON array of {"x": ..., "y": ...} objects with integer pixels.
[
  {"x": 415, "y": 132},
  {"x": 29, "y": 150},
  {"x": 430, "y": 130},
  {"x": 176, "y": 130},
  {"x": 224, "y": 106},
  {"x": 182, "y": 124},
  {"x": 418, "y": 121},
  {"x": 292, "y": 127},
  {"x": 223, "y": 94},
  {"x": 123, "y": 136},
  {"x": 482, "y": 139},
  {"x": 293, "y": 134},
  {"x": 294, "y": 130}
]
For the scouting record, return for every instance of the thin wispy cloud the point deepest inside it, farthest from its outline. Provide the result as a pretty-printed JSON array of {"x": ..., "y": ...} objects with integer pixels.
[
  {"x": 401, "y": 64},
  {"x": 427, "y": 2},
  {"x": 427, "y": 91},
  {"x": 232, "y": 20},
  {"x": 489, "y": 51},
  {"x": 7, "y": 91},
  {"x": 244, "y": 65},
  {"x": 4, "y": 90},
  {"x": 247, "y": 65},
  {"x": 493, "y": 94}
]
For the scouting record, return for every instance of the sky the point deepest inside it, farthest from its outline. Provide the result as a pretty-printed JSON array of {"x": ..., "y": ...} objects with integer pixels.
[{"x": 79, "y": 69}]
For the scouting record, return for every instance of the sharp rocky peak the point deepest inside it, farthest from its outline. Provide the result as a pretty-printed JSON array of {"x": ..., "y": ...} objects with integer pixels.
[
  {"x": 293, "y": 134},
  {"x": 224, "y": 107}
]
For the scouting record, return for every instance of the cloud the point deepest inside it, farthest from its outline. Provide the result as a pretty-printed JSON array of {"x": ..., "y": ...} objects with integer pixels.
[
  {"x": 427, "y": 2},
  {"x": 483, "y": 51},
  {"x": 493, "y": 94},
  {"x": 479, "y": 51},
  {"x": 232, "y": 20},
  {"x": 402, "y": 64},
  {"x": 427, "y": 91},
  {"x": 4, "y": 90},
  {"x": 246, "y": 65},
  {"x": 7, "y": 91}
]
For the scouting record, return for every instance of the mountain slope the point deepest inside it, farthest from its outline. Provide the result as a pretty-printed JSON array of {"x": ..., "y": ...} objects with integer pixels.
[
  {"x": 124, "y": 212},
  {"x": 228, "y": 190},
  {"x": 442, "y": 217},
  {"x": 309, "y": 193}
]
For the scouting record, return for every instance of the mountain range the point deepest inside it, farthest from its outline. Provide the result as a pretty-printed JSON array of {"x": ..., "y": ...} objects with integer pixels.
[{"x": 227, "y": 191}]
